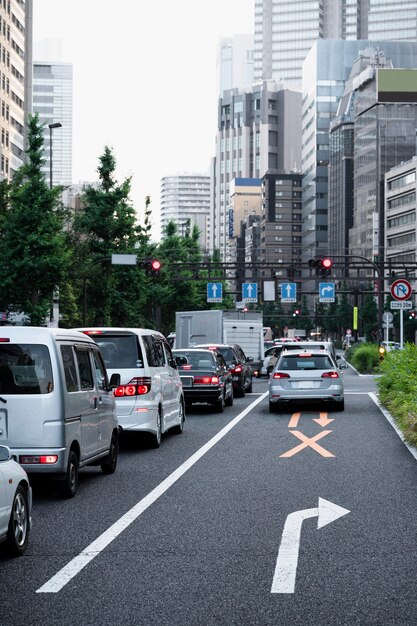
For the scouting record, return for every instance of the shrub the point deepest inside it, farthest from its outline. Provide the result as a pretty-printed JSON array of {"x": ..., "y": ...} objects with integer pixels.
[
  {"x": 364, "y": 357},
  {"x": 397, "y": 389}
]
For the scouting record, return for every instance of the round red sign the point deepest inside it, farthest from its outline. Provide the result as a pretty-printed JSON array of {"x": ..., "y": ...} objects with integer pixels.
[{"x": 401, "y": 289}]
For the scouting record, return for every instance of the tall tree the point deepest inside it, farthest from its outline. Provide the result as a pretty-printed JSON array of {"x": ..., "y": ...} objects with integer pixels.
[
  {"x": 33, "y": 250},
  {"x": 107, "y": 225}
]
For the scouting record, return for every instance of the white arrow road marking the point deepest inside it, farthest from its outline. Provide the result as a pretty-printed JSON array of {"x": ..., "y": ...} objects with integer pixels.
[
  {"x": 57, "y": 582},
  {"x": 287, "y": 560}
]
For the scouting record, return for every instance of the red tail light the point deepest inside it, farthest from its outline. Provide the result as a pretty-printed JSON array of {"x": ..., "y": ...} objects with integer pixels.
[
  {"x": 280, "y": 375},
  {"x": 136, "y": 387},
  {"x": 206, "y": 380},
  {"x": 237, "y": 369},
  {"x": 330, "y": 375}
]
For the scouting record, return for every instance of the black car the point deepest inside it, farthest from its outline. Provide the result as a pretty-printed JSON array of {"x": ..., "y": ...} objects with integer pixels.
[
  {"x": 205, "y": 377},
  {"x": 238, "y": 363}
]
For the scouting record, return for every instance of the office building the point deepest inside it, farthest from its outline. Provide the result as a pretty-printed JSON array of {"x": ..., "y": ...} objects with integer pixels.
[
  {"x": 258, "y": 132},
  {"x": 285, "y": 30},
  {"x": 185, "y": 200},
  {"x": 52, "y": 100},
  {"x": 325, "y": 71},
  {"x": 235, "y": 62},
  {"x": 15, "y": 82},
  {"x": 401, "y": 212}
]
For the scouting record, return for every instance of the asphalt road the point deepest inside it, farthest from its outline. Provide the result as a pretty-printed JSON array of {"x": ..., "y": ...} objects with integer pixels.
[{"x": 200, "y": 543}]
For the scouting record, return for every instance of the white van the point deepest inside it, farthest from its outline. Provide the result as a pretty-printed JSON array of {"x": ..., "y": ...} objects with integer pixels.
[
  {"x": 57, "y": 409},
  {"x": 150, "y": 397}
]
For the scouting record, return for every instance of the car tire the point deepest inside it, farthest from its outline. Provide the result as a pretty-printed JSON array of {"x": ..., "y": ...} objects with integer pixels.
[
  {"x": 240, "y": 393},
  {"x": 340, "y": 406},
  {"x": 19, "y": 524},
  {"x": 179, "y": 428},
  {"x": 249, "y": 387},
  {"x": 110, "y": 462},
  {"x": 229, "y": 401},
  {"x": 272, "y": 407},
  {"x": 219, "y": 405},
  {"x": 68, "y": 487},
  {"x": 155, "y": 439}
]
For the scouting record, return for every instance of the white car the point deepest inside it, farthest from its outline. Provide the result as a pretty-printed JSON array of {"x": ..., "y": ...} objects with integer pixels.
[{"x": 15, "y": 504}]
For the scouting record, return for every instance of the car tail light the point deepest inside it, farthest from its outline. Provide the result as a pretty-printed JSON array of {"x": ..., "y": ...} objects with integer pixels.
[
  {"x": 92, "y": 332},
  {"x": 47, "y": 459},
  {"x": 186, "y": 367},
  {"x": 206, "y": 380},
  {"x": 330, "y": 375},
  {"x": 236, "y": 370},
  {"x": 280, "y": 375},
  {"x": 4, "y": 340},
  {"x": 136, "y": 387}
]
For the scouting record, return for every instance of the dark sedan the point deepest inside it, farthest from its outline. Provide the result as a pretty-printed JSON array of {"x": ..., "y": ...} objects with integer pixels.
[
  {"x": 205, "y": 377},
  {"x": 239, "y": 365}
]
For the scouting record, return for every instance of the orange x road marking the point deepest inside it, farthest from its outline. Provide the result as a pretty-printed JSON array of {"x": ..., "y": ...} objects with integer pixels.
[{"x": 308, "y": 442}]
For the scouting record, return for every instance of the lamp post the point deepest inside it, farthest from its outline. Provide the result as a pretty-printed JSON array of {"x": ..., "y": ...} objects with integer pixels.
[{"x": 51, "y": 126}]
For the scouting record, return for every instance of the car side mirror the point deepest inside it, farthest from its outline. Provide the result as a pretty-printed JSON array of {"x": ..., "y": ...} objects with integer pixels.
[
  {"x": 5, "y": 454},
  {"x": 115, "y": 381}
]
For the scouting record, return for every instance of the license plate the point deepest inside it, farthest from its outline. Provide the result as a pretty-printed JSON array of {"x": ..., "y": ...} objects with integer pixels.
[
  {"x": 187, "y": 381},
  {"x": 306, "y": 384}
]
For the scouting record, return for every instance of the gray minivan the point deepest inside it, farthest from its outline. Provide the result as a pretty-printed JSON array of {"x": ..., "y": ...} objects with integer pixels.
[{"x": 57, "y": 409}]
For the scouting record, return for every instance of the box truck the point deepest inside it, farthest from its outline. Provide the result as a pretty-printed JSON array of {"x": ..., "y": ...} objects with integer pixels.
[{"x": 216, "y": 326}]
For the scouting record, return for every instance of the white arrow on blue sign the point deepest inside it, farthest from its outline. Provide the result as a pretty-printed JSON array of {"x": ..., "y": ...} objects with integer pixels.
[
  {"x": 288, "y": 292},
  {"x": 326, "y": 292},
  {"x": 250, "y": 292},
  {"x": 214, "y": 292}
]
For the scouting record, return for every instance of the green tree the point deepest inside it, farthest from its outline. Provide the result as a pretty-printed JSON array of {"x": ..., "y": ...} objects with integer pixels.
[
  {"x": 107, "y": 225},
  {"x": 33, "y": 248}
]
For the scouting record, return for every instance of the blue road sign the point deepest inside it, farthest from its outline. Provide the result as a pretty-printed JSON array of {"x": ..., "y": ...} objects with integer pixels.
[
  {"x": 250, "y": 292},
  {"x": 214, "y": 292},
  {"x": 326, "y": 292},
  {"x": 288, "y": 292}
]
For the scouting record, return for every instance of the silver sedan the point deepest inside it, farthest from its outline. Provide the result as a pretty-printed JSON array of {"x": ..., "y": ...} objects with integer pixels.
[{"x": 304, "y": 376}]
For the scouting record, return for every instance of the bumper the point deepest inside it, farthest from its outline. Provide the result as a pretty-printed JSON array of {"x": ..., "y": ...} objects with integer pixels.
[{"x": 208, "y": 396}]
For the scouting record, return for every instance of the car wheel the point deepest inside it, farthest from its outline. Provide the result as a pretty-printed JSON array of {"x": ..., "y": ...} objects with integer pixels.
[
  {"x": 249, "y": 387},
  {"x": 18, "y": 531},
  {"x": 240, "y": 393},
  {"x": 155, "y": 439},
  {"x": 179, "y": 428},
  {"x": 229, "y": 400},
  {"x": 110, "y": 463},
  {"x": 219, "y": 405},
  {"x": 69, "y": 485}
]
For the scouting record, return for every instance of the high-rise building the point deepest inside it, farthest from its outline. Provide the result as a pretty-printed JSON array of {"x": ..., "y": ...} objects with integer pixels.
[
  {"x": 285, "y": 30},
  {"x": 326, "y": 68},
  {"x": 185, "y": 200},
  {"x": 52, "y": 100},
  {"x": 235, "y": 62},
  {"x": 258, "y": 132},
  {"x": 15, "y": 81}
]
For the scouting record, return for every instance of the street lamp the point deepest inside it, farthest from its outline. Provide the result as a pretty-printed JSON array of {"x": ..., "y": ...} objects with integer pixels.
[{"x": 51, "y": 126}]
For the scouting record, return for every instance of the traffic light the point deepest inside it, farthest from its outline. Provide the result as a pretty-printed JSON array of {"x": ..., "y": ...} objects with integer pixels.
[
  {"x": 152, "y": 267},
  {"x": 296, "y": 312},
  {"x": 323, "y": 266},
  {"x": 381, "y": 351},
  {"x": 412, "y": 316}
]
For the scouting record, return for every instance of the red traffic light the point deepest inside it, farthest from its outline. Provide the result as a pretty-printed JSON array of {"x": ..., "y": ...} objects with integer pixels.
[
  {"x": 327, "y": 263},
  {"x": 156, "y": 265}
]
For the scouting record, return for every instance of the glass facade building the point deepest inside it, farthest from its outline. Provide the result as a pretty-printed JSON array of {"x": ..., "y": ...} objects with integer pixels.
[
  {"x": 52, "y": 100},
  {"x": 395, "y": 20}
]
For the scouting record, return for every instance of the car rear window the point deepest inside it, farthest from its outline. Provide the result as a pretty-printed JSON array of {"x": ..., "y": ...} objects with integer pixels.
[
  {"x": 197, "y": 360},
  {"x": 310, "y": 362},
  {"x": 119, "y": 351},
  {"x": 25, "y": 369}
]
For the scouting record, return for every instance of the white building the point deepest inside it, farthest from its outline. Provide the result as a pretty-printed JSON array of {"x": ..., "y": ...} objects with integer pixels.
[{"x": 185, "y": 200}]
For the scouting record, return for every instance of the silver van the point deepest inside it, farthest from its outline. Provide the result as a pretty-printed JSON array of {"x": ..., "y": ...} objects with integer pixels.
[
  {"x": 150, "y": 398},
  {"x": 57, "y": 409}
]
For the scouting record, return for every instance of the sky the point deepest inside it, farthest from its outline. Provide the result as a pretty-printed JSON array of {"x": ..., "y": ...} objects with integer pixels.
[{"x": 144, "y": 82}]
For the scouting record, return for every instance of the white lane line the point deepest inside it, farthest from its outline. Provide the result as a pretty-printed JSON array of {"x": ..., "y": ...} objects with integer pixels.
[
  {"x": 391, "y": 420},
  {"x": 61, "y": 578}
]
